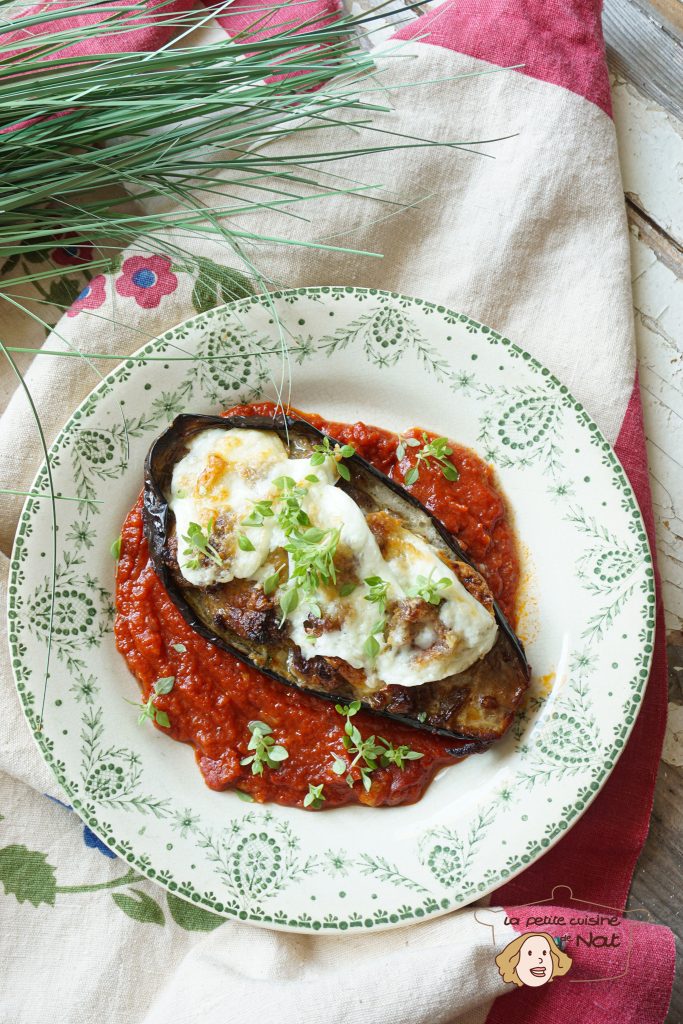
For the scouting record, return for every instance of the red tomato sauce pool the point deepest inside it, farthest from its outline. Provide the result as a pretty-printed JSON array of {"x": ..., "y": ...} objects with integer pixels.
[{"x": 215, "y": 695}]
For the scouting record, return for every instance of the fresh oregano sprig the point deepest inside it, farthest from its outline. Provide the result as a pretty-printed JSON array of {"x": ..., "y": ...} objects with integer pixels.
[
  {"x": 261, "y": 510},
  {"x": 312, "y": 552},
  {"x": 315, "y": 796},
  {"x": 403, "y": 443},
  {"x": 291, "y": 514},
  {"x": 436, "y": 451},
  {"x": 397, "y": 755},
  {"x": 378, "y": 595},
  {"x": 372, "y": 646},
  {"x": 367, "y": 750},
  {"x": 266, "y": 753},
  {"x": 148, "y": 709},
  {"x": 326, "y": 451},
  {"x": 198, "y": 546},
  {"x": 429, "y": 589}
]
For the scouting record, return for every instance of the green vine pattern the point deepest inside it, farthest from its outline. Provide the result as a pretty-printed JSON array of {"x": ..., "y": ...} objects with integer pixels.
[
  {"x": 112, "y": 776},
  {"x": 450, "y": 854},
  {"x": 257, "y": 856},
  {"x": 28, "y": 876},
  {"x": 607, "y": 569},
  {"x": 83, "y": 612},
  {"x": 568, "y": 742}
]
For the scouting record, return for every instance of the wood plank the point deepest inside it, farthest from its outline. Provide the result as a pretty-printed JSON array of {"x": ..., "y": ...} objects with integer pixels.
[
  {"x": 646, "y": 49},
  {"x": 650, "y": 142},
  {"x": 658, "y": 314},
  {"x": 670, "y": 11}
]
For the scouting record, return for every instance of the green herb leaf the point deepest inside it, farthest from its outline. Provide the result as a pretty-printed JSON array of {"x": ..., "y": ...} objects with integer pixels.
[
  {"x": 348, "y": 710},
  {"x": 325, "y": 450},
  {"x": 289, "y": 599},
  {"x": 198, "y": 547},
  {"x": 256, "y": 726},
  {"x": 162, "y": 719},
  {"x": 278, "y": 753},
  {"x": 266, "y": 753},
  {"x": 365, "y": 752},
  {"x": 429, "y": 589},
  {"x": 180, "y": 648},
  {"x": 261, "y": 510},
  {"x": 246, "y": 797},
  {"x": 116, "y": 548},
  {"x": 271, "y": 583},
  {"x": 371, "y": 647},
  {"x": 315, "y": 796},
  {"x": 164, "y": 684},
  {"x": 347, "y": 588},
  {"x": 397, "y": 755},
  {"x": 244, "y": 543},
  {"x": 436, "y": 451}
]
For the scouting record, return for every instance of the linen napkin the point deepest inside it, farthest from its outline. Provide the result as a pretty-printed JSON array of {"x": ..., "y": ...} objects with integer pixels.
[{"x": 534, "y": 243}]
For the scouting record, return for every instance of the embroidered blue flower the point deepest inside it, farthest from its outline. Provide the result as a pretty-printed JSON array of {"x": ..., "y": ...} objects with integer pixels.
[
  {"x": 95, "y": 843},
  {"x": 92, "y": 841}
]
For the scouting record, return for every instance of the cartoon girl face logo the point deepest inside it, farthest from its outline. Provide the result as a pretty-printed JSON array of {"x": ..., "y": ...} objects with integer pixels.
[{"x": 532, "y": 959}]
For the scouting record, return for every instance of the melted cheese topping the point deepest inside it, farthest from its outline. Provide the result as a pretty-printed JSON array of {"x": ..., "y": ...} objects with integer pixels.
[{"x": 217, "y": 483}]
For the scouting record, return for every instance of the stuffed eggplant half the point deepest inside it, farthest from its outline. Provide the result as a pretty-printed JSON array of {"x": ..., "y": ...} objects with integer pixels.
[{"x": 291, "y": 552}]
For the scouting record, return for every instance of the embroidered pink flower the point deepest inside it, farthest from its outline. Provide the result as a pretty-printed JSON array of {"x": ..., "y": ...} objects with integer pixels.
[
  {"x": 71, "y": 254},
  {"x": 92, "y": 296},
  {"x": 146, "y": 279}
]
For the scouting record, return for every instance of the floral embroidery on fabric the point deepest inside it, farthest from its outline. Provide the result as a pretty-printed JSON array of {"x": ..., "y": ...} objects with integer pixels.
[
  {"x": 146, "y": 279},
  {"x": 92, "y": 296},
  {"x": 70, "y": 254},
  {"x": 95, "y": 843}
]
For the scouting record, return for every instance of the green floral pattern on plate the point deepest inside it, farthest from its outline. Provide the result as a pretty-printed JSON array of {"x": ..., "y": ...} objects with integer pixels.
[{"x": 399, "y": 361}]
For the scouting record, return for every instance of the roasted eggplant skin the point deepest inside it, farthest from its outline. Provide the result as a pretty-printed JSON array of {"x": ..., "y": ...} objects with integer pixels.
[{"x": 475, "y": 707}]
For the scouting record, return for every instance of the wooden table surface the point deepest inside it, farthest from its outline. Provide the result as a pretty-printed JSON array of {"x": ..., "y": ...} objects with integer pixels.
[
  {"x": 651, "y": 153},
  {"x": 645, "y": 47}
]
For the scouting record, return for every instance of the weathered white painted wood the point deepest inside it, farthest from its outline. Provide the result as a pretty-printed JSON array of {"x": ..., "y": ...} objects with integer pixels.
[
  {"x": 647, "y": 50},
  {"x": 658, "y": 309},
  {"x": 651, "y": 156}
]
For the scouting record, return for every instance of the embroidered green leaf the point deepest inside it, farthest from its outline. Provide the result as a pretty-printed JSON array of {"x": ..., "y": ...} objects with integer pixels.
[
  {"x": 140, "y": 907},
  {"x": 216, "y": 284},
  {"x": 191, "y": 917},
  {"x": 27, "y": 875}
]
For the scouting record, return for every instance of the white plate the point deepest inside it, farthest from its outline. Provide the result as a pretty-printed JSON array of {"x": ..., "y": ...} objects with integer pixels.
[{"x": 588, "y": 616}]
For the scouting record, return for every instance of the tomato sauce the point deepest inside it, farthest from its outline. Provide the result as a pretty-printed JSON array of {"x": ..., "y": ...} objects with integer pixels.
[{"x": 215, "y": 695}]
